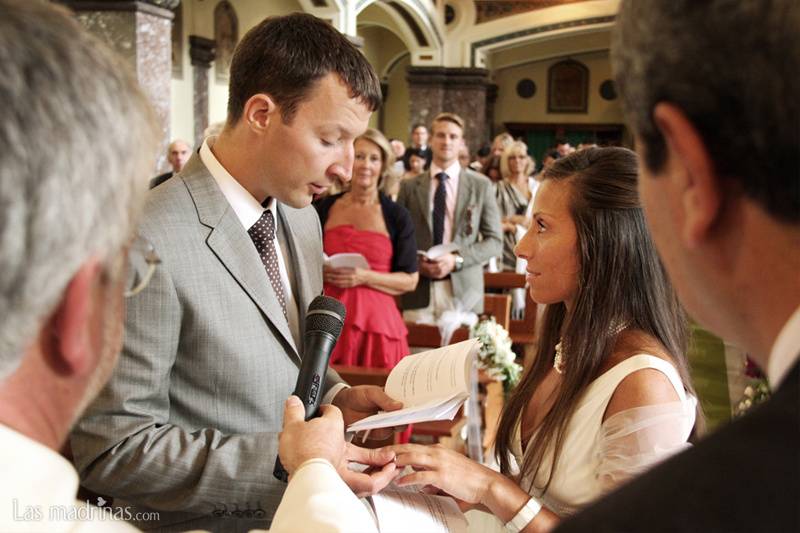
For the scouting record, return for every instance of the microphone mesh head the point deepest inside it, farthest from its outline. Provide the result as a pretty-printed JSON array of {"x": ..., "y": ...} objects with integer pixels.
[{"x": 325, "y": 314}]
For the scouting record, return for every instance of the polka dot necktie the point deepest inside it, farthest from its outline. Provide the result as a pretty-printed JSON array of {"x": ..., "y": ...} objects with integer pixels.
[
  {"x": 439, "y": 208},
  {"x": 263, "y": 235}
]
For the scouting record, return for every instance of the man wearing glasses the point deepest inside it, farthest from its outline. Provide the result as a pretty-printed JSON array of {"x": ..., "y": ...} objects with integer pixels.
[{"x": 66, "y": 222}]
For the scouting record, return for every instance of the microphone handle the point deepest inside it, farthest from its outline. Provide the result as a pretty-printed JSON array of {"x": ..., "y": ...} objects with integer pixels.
[{"x": 317, "y": 353}]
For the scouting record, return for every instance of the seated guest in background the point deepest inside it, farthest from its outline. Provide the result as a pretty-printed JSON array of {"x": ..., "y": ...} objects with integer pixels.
[
  {"x": 482, "y": 157},
  {"x": 177, "y": 154},
  {"x": 66, "y": 226},
  {"x": 366, "y": 221},
  {"x": 719, "y": 183},
  {"x": 608, "y": 394},
  {"x": 549, "y": 157},
  {"x": 450, "y": 204},
  {"x": 390, "y": 181},
  {"x": 492, "y": 169},
  {"x": 399, "y": 150},
  {"x": 563, "y": 147},
  {"x": 514, "y": 194},
  {"x": 500, "y": 143},
  {"x": 416, "y": 163},
  {"x": 419, "y": 140}
]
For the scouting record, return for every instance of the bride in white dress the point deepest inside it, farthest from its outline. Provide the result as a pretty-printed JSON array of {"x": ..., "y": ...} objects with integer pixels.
[{"x": 608, "y": 394}]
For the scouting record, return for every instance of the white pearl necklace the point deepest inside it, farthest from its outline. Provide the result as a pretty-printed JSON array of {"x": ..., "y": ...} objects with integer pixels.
[{"x": 558, "y": 360}]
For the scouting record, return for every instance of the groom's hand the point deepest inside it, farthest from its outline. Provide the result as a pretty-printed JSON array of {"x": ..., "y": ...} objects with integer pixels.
[
  {"x": 381, "y": 469},
  {"x": 362, "y": 401},
  {"x": 319, "y": 438}
]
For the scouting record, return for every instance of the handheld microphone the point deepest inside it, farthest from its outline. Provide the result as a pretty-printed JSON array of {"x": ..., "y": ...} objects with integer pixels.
[{"x": 324, "y": 322}]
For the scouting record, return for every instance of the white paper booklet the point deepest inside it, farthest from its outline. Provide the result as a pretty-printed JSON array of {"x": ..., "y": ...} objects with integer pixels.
[
  {"x": 435, "y": 252},
  {"x": 432, "y": 386},
  {"x": 349, "y": 260},
  {"x": 399, "y": 510}
]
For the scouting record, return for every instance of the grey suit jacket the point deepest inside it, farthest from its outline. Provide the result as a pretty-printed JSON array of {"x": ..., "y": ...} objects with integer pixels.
[
  {"x": 476, "y": 229},
  {"x": 188, "y": 424}
]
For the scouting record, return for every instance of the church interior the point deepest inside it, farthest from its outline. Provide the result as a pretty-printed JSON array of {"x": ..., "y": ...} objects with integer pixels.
[{"x": 539, "y": 70}]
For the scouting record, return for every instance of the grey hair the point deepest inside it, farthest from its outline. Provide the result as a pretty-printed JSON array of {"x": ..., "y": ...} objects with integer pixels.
[
  {"x": 732, "y": 67},
  {"x": 78, "y": 138}
]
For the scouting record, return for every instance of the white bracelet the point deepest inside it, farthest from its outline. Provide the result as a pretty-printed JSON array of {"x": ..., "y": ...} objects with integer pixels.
[{"x": 525, "y": 516}]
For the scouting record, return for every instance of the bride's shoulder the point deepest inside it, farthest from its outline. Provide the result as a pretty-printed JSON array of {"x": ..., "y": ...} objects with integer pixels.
[
  {"x": 644, "y": 386},
  {"x": 631, "y": 343}
]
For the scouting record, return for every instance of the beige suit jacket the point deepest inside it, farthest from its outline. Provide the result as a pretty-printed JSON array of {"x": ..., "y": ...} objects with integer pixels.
[{"x": 476, "y": 230}]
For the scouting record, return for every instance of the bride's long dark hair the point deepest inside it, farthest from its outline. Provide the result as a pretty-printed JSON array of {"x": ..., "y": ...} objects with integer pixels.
[{"x": 621, "y": 281}]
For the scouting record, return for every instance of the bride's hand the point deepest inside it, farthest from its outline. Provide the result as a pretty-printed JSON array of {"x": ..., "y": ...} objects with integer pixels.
[
  {"x": 446, "y": 470},
  {"x": 473, "y": 485}
]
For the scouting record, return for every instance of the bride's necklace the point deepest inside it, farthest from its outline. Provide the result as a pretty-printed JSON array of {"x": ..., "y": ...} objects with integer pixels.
[{"x": 558, "y": 360}]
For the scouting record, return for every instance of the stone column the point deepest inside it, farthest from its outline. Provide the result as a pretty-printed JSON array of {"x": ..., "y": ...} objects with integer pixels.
[
  {"x": 433, "y": 90},
  {"x": 201, "y": 50},
  {"x": 140, "y": 31},
  {"x": 491, "y": 100}
]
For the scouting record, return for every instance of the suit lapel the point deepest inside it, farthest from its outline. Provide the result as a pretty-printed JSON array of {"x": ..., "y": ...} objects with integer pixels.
[
  {"x": 423, "y": 198},
  {"x": 229, "y": 241},
  {"x": 462, "y": 201}
]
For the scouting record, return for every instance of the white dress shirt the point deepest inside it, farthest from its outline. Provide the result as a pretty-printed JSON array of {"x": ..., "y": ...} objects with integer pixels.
[
  {"x": 38, "y": 488},
  {"x": 248, "y": 210},
  {"x": 451, "y": 188},
  {"x": 785, "y": 351}
]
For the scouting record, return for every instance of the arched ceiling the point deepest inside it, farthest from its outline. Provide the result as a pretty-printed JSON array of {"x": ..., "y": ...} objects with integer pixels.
[{"x": 534, "y": 30}]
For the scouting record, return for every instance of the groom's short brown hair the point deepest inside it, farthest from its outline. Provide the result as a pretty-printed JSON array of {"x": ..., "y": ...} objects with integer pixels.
[{"x": 285, "y": 56}]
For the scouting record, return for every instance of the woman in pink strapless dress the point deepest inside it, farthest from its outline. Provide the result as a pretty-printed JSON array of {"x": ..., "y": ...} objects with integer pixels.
[{"x": 365, "y": 221}]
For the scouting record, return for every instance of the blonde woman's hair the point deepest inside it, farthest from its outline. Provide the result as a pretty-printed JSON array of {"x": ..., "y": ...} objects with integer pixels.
[
  {"x": 511, "y": 149},
  {"x": 378, "y": 139}
]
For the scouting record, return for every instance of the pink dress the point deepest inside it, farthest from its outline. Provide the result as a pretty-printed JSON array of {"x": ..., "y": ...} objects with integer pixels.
[{"x": 374, "y": 333}]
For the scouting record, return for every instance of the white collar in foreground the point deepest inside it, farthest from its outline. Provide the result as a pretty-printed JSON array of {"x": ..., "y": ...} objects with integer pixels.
[
  {"x": 34, "y": 473},
  {"x": 784, "y": 351},
  {"x": 248, "y": 210}
]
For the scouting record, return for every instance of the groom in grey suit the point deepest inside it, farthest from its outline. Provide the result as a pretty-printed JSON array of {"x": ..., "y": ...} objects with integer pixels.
[
  {"x": 463, "y": 201},
  {"x": 188, "y": 425}
]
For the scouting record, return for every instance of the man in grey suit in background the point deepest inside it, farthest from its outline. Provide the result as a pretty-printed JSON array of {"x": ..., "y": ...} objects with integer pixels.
[
  {"x": 189, "y": 423},
  {"x": 450, "y": 204}
]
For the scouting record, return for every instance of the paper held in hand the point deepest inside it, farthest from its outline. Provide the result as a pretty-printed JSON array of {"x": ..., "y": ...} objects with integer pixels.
[
  {"x": 435, "y": 252},
  {"x": 349, "y": 260},
  {"x": 432, "y": 386},
  {"x": 400, "y": 510}
]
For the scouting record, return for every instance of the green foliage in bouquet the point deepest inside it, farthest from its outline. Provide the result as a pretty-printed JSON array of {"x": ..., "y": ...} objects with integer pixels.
[{"x": 495, "y": 357}]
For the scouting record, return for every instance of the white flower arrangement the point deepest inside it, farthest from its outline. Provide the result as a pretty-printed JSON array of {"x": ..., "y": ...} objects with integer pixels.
[
  {"x": 755, "y": 393},
  {"x": 495, "y": 356}
]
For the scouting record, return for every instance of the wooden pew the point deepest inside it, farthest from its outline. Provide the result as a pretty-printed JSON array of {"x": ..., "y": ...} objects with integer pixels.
[
  {"x": 521, "y": 331},
  {"x": 427, "y": 336}
]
